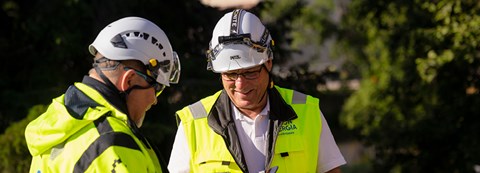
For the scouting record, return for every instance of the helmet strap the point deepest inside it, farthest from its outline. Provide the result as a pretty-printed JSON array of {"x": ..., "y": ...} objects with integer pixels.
[
  {"x": 270, "y": 80},
  {"x": 270, "y": 83},
  {"x": 264, "y": 94},
  {"x": 109, "y": 83},
  {"x": 235, "y": 22},
  {"x": 136, "y": 87}
]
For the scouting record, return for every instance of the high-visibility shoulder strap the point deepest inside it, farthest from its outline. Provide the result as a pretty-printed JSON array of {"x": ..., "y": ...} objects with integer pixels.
[
  {"x": 198, "y": 111},
  {"x": 299, "y": 98}
]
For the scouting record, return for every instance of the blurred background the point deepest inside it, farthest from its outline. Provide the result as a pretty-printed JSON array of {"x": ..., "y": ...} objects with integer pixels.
[{"x": 398, "y": 80}]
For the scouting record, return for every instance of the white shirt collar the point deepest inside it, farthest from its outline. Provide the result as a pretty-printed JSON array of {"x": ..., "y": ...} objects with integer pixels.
[{"x": 240, "y": 116}]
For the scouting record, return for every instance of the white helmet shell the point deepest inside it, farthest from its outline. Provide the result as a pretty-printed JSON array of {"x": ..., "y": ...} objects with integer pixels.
[
  {"x": 135, "y": 38},
  {"x": 248, "y": 42}
]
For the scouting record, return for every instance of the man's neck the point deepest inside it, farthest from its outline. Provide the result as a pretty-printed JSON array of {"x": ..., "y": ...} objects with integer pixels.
[{"x": 253, "y": 113}]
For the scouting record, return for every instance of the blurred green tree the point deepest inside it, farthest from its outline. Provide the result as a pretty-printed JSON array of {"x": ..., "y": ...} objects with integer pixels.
[
  {"x": 418, "y": 103},
  {"x": 14, "y": 156},
  {"x": 43, "y": 45}
]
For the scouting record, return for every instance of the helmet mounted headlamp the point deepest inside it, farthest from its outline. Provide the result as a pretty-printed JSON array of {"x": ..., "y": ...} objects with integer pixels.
[
  {"x": 244, "y": 39},
  {"x": 239, "y": 41}
]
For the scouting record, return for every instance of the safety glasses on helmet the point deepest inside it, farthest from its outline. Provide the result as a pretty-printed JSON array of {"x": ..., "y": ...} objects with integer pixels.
[
  {"x": 176, "y": 69},
  {"x": 154, "y": 68}
]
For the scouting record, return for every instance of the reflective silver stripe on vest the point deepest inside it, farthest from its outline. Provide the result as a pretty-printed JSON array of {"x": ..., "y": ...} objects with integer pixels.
[
  {"x": 299, "y": 98},
  {"x": 197, "y": 110}
]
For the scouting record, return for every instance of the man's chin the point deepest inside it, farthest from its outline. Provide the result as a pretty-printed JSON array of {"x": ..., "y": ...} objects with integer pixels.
[
  {"x": 139, "y": 123},
  {"x": 243, "y": 104}
]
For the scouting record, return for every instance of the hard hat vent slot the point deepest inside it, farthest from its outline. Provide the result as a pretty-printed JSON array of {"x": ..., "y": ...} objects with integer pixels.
[{"x": 118, "y": 42}]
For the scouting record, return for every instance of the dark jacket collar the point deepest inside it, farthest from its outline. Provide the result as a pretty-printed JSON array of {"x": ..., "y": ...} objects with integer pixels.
[
  {"x": 114, "y": 98},
  {"x": 279, "y": 109}
]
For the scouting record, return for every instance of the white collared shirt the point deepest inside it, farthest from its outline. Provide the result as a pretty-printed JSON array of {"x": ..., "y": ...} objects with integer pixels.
[
  {"x": 329, "y": 156},
  {"x": 252, "y": 134}
]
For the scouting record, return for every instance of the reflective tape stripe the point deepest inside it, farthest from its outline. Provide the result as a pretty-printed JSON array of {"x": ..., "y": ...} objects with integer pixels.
[
  {"x": 234, "y": 25},
  {"x": 299, "y": 98},
  {"x": 102, "y": 125},
  {"x": 198, "y": 111},
  {"x": 107, "y": 139}
]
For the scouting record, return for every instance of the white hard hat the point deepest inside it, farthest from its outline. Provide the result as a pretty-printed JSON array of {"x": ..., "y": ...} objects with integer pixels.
[
  {"x": 135, "y": 38},
  {"x": 239, "y": 41}
]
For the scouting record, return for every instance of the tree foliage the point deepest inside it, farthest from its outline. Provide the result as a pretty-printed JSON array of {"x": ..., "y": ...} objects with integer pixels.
[
  {"x": 418, "y": 103},
  {"x": 14, "y": 156},
  {"x": 296, "y": 24}
]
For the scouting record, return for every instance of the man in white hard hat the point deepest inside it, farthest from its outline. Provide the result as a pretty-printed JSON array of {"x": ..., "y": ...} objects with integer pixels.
[
  {"x": 251, "y": 125},
  {"x": 93, "y": 127}
]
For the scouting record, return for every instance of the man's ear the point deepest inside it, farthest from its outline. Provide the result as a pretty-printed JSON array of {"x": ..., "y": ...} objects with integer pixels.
[
  {"x": 269, "y": 65},
  {"x": 126, "y": 80}
]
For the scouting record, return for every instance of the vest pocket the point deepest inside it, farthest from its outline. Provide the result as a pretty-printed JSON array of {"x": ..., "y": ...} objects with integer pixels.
[
  {"x": 216, "y": 162},
  {"x": 290, "y": 154}
]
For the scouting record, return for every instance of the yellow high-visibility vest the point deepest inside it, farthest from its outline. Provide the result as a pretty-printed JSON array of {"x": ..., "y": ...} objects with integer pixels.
[
  {"x": 295, "y": 149},
  {"x": 98, "y": 140}
]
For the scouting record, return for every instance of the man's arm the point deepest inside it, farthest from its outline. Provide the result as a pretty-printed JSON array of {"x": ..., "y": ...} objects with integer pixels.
[
  {"x": 180, "y": 156},
  {"x": 329, "y": 158}
]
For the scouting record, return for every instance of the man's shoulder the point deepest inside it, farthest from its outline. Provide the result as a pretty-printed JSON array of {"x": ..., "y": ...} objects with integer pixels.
[
  {"x": 295, "y": 96},
  {"x": 199, "y": 109},
  {"x": 284, "y": 89},
  {"x": 206, "y": 99},
  {"x": 77, "y": 102}
]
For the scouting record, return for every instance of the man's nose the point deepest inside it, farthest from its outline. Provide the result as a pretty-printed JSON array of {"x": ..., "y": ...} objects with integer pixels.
[{"x": 240, "y": 81}]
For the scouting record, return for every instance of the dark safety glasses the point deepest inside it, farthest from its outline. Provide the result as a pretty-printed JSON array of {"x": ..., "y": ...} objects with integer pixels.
[
  {"x": 250, "y": 75},
  {"x": 153, "y": 83}
]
